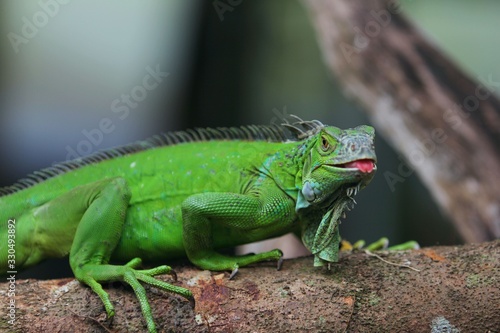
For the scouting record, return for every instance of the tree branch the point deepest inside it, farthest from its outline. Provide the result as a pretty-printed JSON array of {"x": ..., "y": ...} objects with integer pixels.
[{"x": 456, "y": 286}]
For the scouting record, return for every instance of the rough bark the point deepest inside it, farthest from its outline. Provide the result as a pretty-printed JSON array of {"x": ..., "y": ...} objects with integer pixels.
[
  {"x": 454, "y": 286},
  {"x": 446, "y": 125}
]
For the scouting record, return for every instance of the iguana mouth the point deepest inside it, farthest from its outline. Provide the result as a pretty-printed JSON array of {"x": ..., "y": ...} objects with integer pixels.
[{"x": 364, "y": 165}]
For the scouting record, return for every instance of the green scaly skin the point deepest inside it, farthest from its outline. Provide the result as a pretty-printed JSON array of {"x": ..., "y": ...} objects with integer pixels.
[{"x": 187, "y": 199}]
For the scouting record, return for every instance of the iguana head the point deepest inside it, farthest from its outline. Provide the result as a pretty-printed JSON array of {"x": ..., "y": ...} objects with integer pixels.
[
  {"x": 336, "y": 165},
  {"x": 337, "y": 160}
]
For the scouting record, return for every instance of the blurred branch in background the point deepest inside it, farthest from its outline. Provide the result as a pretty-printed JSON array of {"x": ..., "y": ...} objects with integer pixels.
[{"x": 446, "y": 125}]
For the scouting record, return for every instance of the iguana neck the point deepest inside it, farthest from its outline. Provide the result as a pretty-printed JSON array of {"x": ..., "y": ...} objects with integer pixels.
[{"x": 302, "y": 157}]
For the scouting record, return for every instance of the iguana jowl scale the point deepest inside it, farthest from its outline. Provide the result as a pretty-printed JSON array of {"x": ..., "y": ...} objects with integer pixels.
[{"x": 188, "y": 194}]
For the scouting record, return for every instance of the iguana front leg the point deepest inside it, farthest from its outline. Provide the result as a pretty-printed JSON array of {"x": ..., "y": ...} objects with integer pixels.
[
  {"x": 97, "y": 211},
  {"x": 244, "y": 215}
]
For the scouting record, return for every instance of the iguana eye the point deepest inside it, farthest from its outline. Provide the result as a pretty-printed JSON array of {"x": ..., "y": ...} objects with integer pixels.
[{"x": 325, "y": 145}]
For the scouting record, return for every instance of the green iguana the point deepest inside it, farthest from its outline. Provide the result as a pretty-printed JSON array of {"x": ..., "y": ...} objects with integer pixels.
[{"x": 187, "y": 194}]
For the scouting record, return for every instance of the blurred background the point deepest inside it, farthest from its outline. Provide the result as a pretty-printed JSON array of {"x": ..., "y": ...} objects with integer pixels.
[{"x": 80, "y": 76}]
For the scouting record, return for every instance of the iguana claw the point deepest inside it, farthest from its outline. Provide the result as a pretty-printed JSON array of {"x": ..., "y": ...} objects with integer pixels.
[
  {"x": 174, "y": 275},
  {"x": 191, "y": 301},
  {"x": 233, "y": 273},
  {"x": 280, "y": 263}
]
